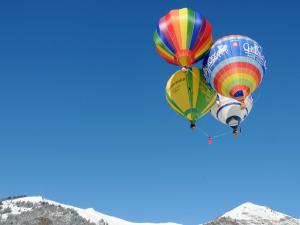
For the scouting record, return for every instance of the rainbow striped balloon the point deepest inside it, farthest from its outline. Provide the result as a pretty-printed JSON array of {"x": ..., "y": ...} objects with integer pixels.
[
  {"x": 182, "y": 37},
  {"x": 235, "y": 66},
  {"x": 189, "y": 94}
]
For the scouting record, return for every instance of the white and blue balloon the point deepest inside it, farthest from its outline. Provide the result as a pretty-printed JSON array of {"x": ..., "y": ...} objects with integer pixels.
[{"x": 230, "y": 112}]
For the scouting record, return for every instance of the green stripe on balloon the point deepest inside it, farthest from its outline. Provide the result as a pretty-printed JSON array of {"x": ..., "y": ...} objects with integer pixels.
[
  {"x": 190, "y": 27},
  {"x": 172, "y": 102},
  {"x": 194, "y": 112},
  {"x": 240, "y": 81},
  {"x": 198, "y": 103},
  {"x": 189, "y": 83},
  {"x": 161, "y": 44}
]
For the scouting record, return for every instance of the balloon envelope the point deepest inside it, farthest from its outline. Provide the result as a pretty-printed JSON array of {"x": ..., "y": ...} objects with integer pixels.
[
  {"x": 182, "y": 37},
  {"x": 189, "y": 95},
  {"x": 228, "y": 111},
  {"x": 235, "y": 66}
]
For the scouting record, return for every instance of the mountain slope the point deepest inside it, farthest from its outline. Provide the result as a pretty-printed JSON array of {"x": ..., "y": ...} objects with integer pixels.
[
  {"x": 40, "y": 211},
  {"x": 15, "y": 210},
  {"x": 251, "y": 214}
]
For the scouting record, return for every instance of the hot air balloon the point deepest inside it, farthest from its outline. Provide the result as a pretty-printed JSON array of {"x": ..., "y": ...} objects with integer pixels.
[
  {"x": 228, "y": 111},
  {"x": 235, "y": 66},
  {"x": 189, "y": 95},
  {"x": 182, "y": 37}
]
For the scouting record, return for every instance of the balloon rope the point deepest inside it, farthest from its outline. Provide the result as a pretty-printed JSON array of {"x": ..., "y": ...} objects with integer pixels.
[
  {"x": 191, "y": 70},
  {"x": 213, "y": 136},
  {"x": 203, "y": 131},
  {"x": 221, "y": 135}
]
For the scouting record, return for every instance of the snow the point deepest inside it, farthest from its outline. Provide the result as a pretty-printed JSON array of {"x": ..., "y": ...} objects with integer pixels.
[
  {"x": 247, "y": 211},
  {"x": 14, "y": 209},
  {"x": 250, "y": 211},
  {"x": 89, "y": 214}
]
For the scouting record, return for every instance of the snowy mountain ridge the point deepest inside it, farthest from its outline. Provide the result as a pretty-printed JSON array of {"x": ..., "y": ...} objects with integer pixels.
[
  {"x": 249, "y": 211},
  {"x": 38, "y": 210},
  {"x": 252, "y": 214},
  {"x": 88, "y": 214}
]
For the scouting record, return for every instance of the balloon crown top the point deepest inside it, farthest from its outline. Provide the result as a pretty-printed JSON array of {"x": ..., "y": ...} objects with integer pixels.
[{"x": 234, "y": 36}]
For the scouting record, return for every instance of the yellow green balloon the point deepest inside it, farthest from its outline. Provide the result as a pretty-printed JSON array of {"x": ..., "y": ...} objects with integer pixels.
[{"x": 189, "y": 95}]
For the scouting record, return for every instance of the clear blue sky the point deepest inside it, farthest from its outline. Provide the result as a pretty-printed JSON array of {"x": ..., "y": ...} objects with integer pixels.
[{"x": 84, "y": 121}]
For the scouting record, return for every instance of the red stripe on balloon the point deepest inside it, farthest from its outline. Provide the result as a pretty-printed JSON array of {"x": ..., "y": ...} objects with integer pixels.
[
  {"x": 204, "y": 38},
  {"x": 218, "y": 84},
  {"x": 235, "y": 67},
  {"x": 163, "y": 27},
  {"x": 200, "y": 34},
  {"x": 166, "y": 57},
  {"x": 245, "y": 89},
  {"x": 171, "y": 30},
  {"x": 241, "y": 67}
]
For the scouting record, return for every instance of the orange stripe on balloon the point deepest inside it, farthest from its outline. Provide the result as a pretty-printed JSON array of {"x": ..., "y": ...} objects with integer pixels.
[
  {"x": 236, "y": 79},
  {"x": 204, "y": 47},
  {"x": 162, "y": 54},
  {"x": 226, "y": 71},
  {"x": 231, "y": 75},
  {"x": 166, "y": 57},
  {"x": 175, "y": 18},
  {"x": 171, "y": 31},
  {"x": 245, "y": 89},
  {"x": 162, "y": 50},
  {"x": 241, "y": 67}
]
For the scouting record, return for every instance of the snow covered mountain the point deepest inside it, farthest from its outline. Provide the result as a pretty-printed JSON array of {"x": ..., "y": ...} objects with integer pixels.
[
  {"x": 40, "y": 211},
  {"x": 251, "y": 214}
]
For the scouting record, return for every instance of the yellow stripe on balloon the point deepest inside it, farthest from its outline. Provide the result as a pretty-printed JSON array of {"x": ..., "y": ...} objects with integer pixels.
[
  {"x": 204, "y": 49},
  {"x": 237, "y": 76},
  {"x": 212, "y": 102},
  {"x": 196, "y": 75},
  {"x": 178, "y": 91},
  {"x": 189, "y": 117},
  {"x": 243, "y": 78},
  {"x": 174, "y": 108},
  {"x": 166, "y": 53},
  {"x": 183, "y": 17}
]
